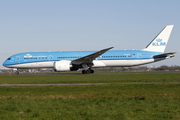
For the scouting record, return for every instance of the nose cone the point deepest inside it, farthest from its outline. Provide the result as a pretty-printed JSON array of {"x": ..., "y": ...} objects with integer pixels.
[{"x": 4, "y": 64}]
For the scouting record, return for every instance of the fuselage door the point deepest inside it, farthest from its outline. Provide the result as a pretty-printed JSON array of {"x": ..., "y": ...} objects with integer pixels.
[
  {"x": 50, "y": 58},
  {"x": 17, "y": 59},
  {"x": 139, "y": 56}
]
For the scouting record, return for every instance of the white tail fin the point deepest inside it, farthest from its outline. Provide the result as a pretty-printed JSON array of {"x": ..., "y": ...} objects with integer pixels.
[{"x": 159, "y": 43}]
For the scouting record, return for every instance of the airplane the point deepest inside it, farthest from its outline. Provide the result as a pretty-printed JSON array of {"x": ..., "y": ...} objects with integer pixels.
[{"x": 86, "y": 60}]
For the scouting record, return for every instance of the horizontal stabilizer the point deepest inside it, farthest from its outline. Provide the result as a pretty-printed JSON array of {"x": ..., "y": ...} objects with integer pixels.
[{"x": 165, "y": 55}]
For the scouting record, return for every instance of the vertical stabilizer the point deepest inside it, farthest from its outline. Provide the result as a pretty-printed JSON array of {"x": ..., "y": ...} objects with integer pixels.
[{"x": 159, "y": 43}]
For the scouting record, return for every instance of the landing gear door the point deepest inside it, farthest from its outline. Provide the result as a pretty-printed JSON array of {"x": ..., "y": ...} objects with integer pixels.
[{"x": 17, "y": 59}]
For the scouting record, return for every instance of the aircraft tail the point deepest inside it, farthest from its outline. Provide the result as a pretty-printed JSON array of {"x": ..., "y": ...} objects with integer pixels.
[{"x": 159, "y": 43}]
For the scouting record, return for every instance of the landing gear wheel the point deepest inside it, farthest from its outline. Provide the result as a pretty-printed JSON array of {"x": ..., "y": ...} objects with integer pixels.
[
  {"x": 92, "y": 71},
  {"x": 83, "y": 72},
  {"x": 87, "y": 71},
  {"x": 17, "y": 72}
]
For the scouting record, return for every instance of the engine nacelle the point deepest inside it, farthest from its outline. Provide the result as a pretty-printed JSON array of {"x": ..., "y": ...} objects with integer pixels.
[{"x": 62, "y": 66}]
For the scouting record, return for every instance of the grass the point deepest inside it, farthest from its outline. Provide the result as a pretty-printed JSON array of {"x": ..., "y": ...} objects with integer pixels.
[
  {"x": 126, "y": 102},
  {"x": 92, "y": 92},
  {"x": 78, "y": 78},
  {"x": 88, "y": 109},
  {"x": 112, "y": 101}
]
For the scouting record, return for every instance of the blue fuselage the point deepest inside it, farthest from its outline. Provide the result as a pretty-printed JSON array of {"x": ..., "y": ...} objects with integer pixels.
[{"x": 35, "y": 57}]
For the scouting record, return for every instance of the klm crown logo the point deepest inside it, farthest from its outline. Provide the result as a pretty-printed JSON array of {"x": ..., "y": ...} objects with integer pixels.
[
  {"x": 28, "y": 55},
  {"x": 159, "y": 42}
]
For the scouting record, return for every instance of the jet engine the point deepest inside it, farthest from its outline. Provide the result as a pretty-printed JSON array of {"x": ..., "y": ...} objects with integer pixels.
[{"x": 62, "y": 66}]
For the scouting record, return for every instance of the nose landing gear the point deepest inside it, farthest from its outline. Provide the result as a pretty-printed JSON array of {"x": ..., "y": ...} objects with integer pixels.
[{"x": 17, "y": 72}]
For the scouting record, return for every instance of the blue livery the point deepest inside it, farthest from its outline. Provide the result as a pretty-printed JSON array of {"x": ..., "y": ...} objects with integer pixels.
[{"x": 86, "y": 60}]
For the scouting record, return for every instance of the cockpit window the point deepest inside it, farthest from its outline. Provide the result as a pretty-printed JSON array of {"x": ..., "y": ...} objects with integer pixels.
[{"x": 9, "y": 59}]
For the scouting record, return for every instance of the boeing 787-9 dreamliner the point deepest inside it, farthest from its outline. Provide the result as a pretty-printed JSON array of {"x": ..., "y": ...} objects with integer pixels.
[{"x": 86, "y": 60}]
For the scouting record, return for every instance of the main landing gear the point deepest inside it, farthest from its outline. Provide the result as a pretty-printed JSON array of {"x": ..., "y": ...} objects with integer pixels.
[
  {"x": 87, "y": 68},
  {"x": 88, "y": 71}
]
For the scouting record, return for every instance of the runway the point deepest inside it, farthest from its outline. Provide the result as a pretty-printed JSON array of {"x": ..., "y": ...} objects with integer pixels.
[
  {"x": 85, "y": 84},
  {"x": 97, "y": 73}
]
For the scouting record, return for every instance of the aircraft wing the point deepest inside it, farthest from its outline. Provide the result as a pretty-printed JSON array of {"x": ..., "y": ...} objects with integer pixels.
[
  {"x": 89, "y": 58},
  {"x": 165, "y": 55}
]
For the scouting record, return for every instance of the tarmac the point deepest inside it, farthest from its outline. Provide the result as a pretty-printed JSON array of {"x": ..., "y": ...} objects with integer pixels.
[
  {"x": 85, "y": 84},
  {"x": 97, "y": 73}
]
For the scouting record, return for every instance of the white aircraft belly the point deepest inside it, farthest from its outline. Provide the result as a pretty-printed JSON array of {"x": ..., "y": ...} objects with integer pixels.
[
  {"x": 48, "y": 64},
  {"x": 120, "y": 63}
]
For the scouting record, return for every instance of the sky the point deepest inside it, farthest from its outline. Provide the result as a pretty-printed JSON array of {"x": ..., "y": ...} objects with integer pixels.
[{"x": 68, "y": 25}]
